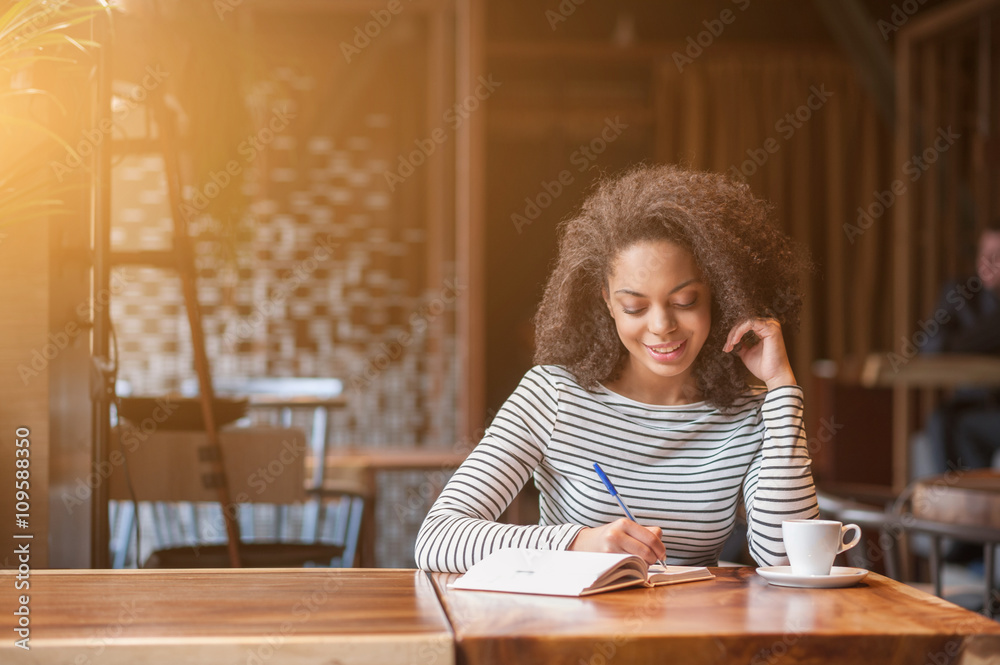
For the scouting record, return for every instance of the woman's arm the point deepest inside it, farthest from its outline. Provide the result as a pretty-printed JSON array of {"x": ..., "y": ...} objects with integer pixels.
[
  {"x": 460, "y": 527},
  {"x": 779, "y": 484}
]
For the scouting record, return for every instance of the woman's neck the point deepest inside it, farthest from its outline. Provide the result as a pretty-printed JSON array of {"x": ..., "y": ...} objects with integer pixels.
[{"x": 643, "y": 386}]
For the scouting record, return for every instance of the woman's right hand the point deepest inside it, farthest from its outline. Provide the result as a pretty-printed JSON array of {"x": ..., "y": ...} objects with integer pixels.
[{"x": 622, "y": 536}]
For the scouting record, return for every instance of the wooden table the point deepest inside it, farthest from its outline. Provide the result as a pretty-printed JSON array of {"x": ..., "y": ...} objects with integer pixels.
[
  {"x": 295, "y": 617},
  {"x": 945, "y": 370},
  {"x": 736, "y": 618},
  {"x": 350, "y": 467},
  {"x": 298, "y": 616}
]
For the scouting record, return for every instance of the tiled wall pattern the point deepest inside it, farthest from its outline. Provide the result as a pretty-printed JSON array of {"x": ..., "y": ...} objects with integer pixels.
[{"x": 331, "y": 271}]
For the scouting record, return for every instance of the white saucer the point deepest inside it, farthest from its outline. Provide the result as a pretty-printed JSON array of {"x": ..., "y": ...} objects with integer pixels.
[{"x": 840, "y": 576}]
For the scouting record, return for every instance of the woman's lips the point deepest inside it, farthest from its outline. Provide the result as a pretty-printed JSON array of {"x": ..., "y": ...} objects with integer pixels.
[{"x": 667, "y": 352}]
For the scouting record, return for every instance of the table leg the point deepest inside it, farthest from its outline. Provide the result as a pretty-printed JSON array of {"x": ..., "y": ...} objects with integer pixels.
[
  {"x": 369, "y": 528},
  {"x": 989, "y": 550}
]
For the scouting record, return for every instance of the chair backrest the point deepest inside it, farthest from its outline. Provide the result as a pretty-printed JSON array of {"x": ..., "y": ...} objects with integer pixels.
[
  {"x": 263, "y": 465},
  {"x": 288, "y": 394}
]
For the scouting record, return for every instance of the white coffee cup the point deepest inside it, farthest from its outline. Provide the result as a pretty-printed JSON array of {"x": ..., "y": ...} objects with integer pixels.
[{"x": 812, "y": 545}]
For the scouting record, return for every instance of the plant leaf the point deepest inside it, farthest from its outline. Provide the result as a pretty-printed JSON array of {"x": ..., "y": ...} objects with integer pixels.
[
  {"x": 33, "y": 92},
  {"x": 31, "y": 124}
]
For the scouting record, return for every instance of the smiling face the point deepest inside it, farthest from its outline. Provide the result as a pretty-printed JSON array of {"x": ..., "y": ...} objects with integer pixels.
[{"x": 662, "y": 310}]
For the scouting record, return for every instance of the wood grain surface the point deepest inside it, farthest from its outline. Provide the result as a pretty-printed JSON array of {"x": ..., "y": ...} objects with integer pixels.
[
  {"x": 346, "y": 616},
  {"x": 277, "y": 617},
  {"x": 736, "y": 618}
]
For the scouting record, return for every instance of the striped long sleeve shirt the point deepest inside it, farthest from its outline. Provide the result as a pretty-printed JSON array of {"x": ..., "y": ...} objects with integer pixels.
[{"x": 682, "y": 468}]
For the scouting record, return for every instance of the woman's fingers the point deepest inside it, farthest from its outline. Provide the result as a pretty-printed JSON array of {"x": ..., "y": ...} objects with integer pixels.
[
  {"x": 622, "y": 536},
  {"x": 642, "y": 541},
  {"x": 762, "y": 327},
  {"x": 736, "y": 334}
]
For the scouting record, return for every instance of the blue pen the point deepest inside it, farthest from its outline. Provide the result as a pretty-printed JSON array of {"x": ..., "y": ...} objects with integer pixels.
[{"x": 614, "y": 493}]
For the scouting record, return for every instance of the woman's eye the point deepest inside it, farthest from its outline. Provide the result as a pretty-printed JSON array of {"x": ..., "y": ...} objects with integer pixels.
[
  {"x": 632, "y": 312},
  {"x": 685, "y": 305}
]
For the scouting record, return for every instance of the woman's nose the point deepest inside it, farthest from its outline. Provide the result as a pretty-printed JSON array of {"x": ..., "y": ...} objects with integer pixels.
[{"x": 661, "y": 321}]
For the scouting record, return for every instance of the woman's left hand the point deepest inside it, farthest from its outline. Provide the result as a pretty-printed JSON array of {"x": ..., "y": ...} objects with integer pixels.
[{"x": 767, "y": 359}]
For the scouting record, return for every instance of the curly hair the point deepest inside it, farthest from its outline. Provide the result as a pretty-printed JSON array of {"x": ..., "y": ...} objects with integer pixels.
[{"x": 751, "y": 267}]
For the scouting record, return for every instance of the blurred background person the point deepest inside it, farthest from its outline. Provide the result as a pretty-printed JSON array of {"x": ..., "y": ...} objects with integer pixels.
[{"x": 964, "y": 431}]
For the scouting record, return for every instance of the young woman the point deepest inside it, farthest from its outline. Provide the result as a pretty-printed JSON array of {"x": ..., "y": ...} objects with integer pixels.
[{"x": 667, "y": 301}]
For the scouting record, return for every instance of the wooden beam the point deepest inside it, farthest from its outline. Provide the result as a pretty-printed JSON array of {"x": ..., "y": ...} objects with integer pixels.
[
  {"x": 901, "y": 242},
  {"x": 854, "y": 29},
  {"x": 470, "y": 221},
  {"x": 100, "y": 530},
  {"x": 439, "y": 209},
  {"x": 942, "y": 18},
  {"x": 837, "y": 216},
  {"x": 189, "y": 289},
  {"x": 867, "y": 256},
  {"x": 983, "y": 181}
]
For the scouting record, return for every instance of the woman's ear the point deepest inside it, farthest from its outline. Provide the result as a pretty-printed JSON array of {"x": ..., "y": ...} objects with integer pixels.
[{"x": 607, "y": 299}]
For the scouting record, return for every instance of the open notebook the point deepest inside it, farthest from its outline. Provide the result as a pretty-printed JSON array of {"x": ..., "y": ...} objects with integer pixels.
[{"x": 566, "y": 573}]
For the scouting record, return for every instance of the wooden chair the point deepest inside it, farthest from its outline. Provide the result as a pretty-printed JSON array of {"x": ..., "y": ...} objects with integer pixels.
[
  {"x": 277, "y": 400},
  {"x": 895, "y": 522},
  {"x": 159, "y": 475}
]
